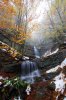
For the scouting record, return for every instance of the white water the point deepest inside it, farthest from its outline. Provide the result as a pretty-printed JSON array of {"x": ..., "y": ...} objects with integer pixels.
[
  {"x": 29, "y": 71},
  {"x": 37, "y": 55}
]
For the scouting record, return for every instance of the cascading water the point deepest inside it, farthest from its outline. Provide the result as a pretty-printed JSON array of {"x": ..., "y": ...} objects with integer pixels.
[
  {"x": 36, "y": 52},
  {"x": 29, "y": 71}
]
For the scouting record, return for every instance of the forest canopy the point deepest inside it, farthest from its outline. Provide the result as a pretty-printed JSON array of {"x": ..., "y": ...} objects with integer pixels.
[{"x": 33, "y": 20}]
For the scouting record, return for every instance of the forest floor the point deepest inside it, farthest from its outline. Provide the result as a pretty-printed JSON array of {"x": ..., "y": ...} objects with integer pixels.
[
  {"x": 54, "y": 89},
  {"x": 49, "y": 89}
]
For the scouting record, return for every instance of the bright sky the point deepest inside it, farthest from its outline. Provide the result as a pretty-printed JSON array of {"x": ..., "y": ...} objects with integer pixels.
[{"x": 40, "y": 12}]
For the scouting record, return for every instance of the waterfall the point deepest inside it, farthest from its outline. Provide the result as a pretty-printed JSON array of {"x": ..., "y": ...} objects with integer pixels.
[
  {"x": 36, "y": 52},
  {"x": 29, "y": 71}
]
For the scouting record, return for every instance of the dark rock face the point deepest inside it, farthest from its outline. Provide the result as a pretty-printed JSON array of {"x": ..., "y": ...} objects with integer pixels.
[
  {"x": 62, "y": 46},
  {"x": 51, "y": 86},
  {"x": 28, "y": 50},
  {"x": 64, "y": 70},
  {"x": 51, "y": 61},
  {"x": 50, "y": 76},
  {"x": 12, "y": 69}
]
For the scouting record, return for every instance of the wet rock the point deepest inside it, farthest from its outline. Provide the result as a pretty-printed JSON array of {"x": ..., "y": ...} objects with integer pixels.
[
  {"x": 12, "y": 69},
  {"x": 51, "y": 61},
  {"x": 61, "y": 97},
  {"x": 50, "y": 76},
  {"x": 38, "y": 79},
  {"x": 51, "y": 86},
  {"x": 64, "y": 70}
]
